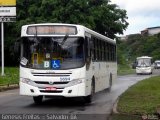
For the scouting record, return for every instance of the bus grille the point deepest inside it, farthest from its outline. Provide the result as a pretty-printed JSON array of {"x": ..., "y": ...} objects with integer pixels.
[
  {"x": 51, "y": 74},
  {"x": 54, "y": 83}
]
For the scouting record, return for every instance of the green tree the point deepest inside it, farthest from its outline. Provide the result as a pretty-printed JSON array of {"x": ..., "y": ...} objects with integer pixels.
[{"x": 99, "y": 15}]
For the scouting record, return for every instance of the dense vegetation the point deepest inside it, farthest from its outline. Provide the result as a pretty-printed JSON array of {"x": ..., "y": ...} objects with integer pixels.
[
  {"x": 99, "y": 15},
  {"x": 138, "y": 45}
]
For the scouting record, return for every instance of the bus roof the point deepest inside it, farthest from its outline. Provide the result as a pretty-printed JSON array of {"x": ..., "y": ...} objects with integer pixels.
[
  {"x": 80, "y": 28},
  {"x": 144, "y": 57},
  {"x": 157, "y": 61},
  {"x": 99, "y": 35}
]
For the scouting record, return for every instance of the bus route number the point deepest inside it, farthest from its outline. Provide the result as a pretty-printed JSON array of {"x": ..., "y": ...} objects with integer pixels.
[{"x": 64, "y": 78}]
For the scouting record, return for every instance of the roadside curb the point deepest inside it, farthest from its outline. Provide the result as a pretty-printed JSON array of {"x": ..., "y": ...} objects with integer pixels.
[
  {"x": 8, "y": 87},
  {"x": 114, "y": 110}
]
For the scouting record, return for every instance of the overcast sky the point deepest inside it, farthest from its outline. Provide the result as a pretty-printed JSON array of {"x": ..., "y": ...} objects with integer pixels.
[{"x": 141, "y": 14}]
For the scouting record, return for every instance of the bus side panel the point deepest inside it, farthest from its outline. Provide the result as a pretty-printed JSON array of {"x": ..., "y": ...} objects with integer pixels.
[{"x": 101, "y": 72}]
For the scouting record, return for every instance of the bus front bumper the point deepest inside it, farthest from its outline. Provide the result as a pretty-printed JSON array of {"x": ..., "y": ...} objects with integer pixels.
[
  {"x": 71, "y": 91},
  {"x": 143, "y": 70}
]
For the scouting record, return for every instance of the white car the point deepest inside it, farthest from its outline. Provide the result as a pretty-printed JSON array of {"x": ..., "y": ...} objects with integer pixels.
[{"x": 157, "y": 64}]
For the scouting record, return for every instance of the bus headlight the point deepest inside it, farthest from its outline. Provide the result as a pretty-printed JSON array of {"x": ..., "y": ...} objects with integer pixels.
[
  {"x": 27, "y": 81},
  {"x": 74, "y": 82}
]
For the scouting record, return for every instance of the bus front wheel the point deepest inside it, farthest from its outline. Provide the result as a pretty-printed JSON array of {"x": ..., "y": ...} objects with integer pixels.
[
  {"x": 88, "y": 99},
  {"x": 37, "y": 99},
  {"x": 110, "y": 83}
]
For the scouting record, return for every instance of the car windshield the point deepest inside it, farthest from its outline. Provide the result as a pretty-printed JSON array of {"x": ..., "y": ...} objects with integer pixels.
[
  {"x": 144, "y": 62},
  {"x": 157, "y": 62},
  {"x": 52, "y": 52}
]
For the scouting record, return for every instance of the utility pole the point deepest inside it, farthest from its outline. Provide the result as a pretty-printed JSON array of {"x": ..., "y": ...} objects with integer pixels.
[{"x": 2, "y": 47}]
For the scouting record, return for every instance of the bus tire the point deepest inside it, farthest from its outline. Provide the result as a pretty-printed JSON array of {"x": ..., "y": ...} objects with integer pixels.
[
  {"x": 37, "y": 99},
  {"x": 110, "y": 83},
  {"x": 89, "y": 98}
]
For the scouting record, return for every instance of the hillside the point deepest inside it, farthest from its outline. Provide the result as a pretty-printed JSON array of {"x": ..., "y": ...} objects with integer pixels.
[{"x": 138, "y": 45}]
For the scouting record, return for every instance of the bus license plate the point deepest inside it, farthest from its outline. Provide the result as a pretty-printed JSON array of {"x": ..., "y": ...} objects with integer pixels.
[{"x": 51, "y": 88}]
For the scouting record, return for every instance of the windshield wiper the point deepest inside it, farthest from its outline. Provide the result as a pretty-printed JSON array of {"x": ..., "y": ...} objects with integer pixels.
[
  {"x": 36, "y": 39},
  {"x": 64, "y": 40}
]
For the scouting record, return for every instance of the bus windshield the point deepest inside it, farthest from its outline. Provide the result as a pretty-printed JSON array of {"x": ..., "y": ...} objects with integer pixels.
[
  {"x": 144, "y": 62},
  {"x": 52, "y": 52}
]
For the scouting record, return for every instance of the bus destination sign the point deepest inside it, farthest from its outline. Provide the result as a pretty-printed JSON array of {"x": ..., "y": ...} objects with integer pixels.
[{"x": 51, "y": 30}]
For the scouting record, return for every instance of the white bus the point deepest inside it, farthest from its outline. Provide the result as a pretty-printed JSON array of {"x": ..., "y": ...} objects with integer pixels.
[
  {"x": 144, "y": 65},
  {"x": 65, "y": 60}
]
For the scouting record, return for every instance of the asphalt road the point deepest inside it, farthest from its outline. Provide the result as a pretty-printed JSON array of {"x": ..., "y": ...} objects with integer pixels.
[{"x": 12, "y": 103}]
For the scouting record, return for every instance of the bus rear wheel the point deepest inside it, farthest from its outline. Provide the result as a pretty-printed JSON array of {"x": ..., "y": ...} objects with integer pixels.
[{"x": 37, "y": 99}]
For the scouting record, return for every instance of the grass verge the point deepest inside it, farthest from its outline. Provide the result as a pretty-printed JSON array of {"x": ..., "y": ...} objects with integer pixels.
[
  {"x": 125, "y": 70},
  {"x": 125, "y": 117},
  {"x": 11, "y": 76},
  {"x": 142, "y": 98}
]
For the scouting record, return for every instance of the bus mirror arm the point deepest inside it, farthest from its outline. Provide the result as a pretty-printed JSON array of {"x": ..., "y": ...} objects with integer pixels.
[
  {"x": 17, "y": 46},
  {"x": 88, "y": 61}
]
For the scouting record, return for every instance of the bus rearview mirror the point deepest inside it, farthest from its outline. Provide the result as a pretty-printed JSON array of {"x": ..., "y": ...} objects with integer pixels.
[{"x": 16, "y": 47}]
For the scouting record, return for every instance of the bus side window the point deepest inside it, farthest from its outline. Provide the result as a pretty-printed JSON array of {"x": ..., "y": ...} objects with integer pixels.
[
  {"x": 94, "y": 48},
  {"x": 89, "y": 45}
]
